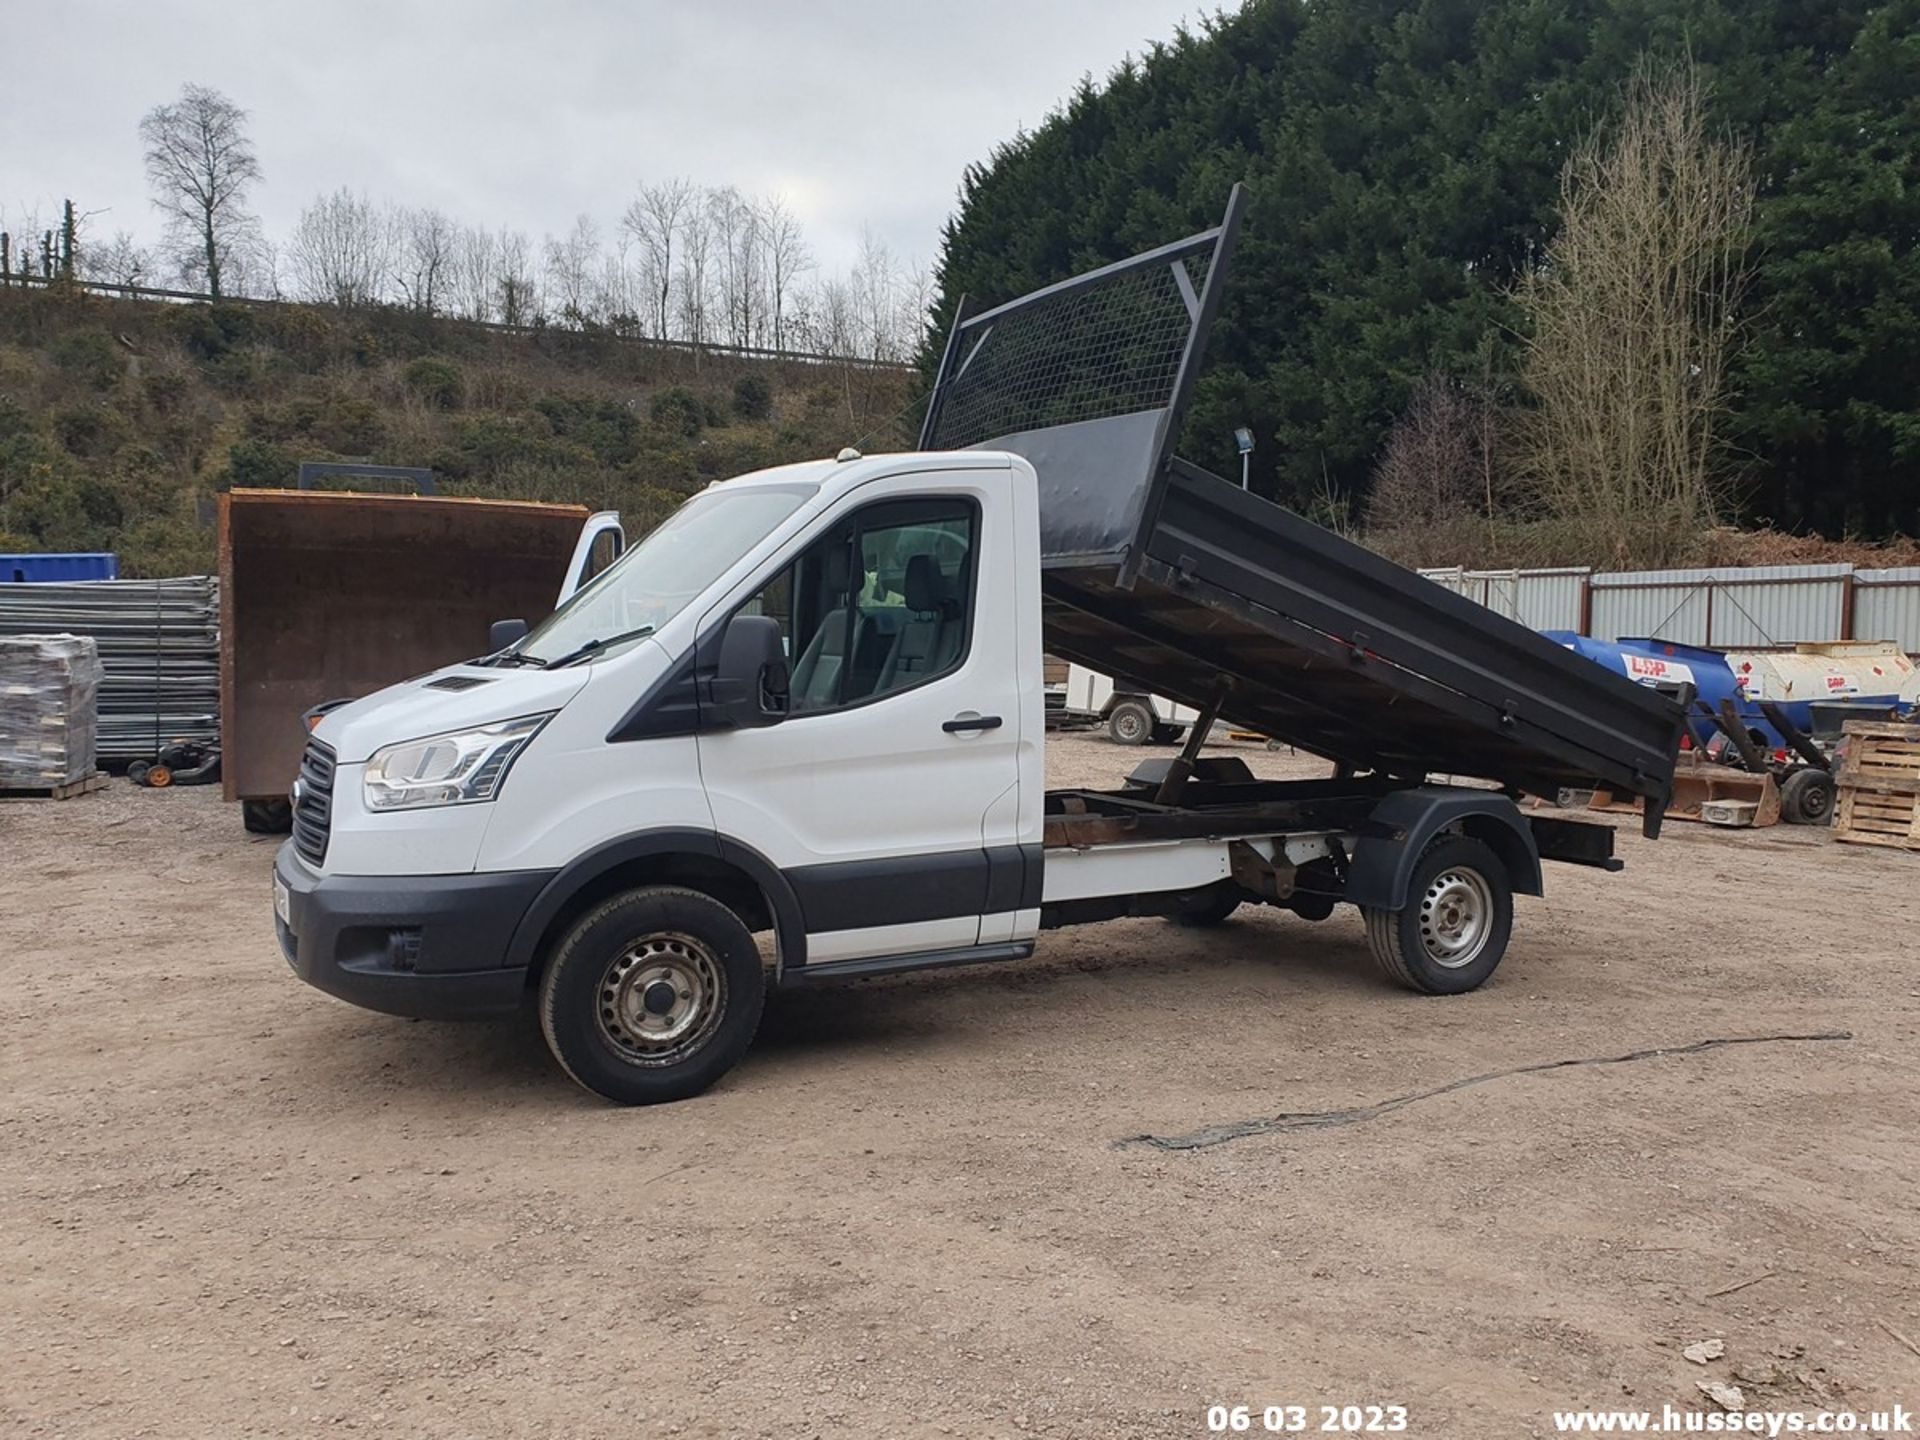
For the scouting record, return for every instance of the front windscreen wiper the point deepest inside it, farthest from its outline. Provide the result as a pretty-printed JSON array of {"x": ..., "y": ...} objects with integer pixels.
[{"x": 594, "y": 647}]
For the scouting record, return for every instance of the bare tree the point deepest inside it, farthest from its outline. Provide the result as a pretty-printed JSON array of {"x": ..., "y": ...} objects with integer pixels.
[
  {"x": 655, "y": 219},
  {"x": 473, "y": 278},
  {"x": 573, "y": 265},
  {"x": 1435, "y": 460},
  {"x": 200, "y": 164},
  {"x": 517, "y": 287},
  {"x": 738, "y": 260},
  {"x": 1633, "y": 318},
  {"x": 119, "y": 261},
  {"x": 694, "y": 277},
  {"x": 342, "y": 250},
  {"x": 427, "y": 250},
  {"x": 875, "y": 298},
  {"x": 787, "y": 258},
  {"x": 616, "y": 300}
]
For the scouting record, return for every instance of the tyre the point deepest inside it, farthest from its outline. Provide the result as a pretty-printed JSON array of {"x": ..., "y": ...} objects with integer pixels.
[
  {"x": 1168, "y": 734},
  {"x": 1208, "y": 911},
  {"x": 1451, "y": 933},
  {"x": 266, "y": 817},
  {"x": 1806, "y": 797},
  {"x": 1130, "y": 723},
  {"x": 137, "y": 771},
  {"x": 652, "y": 996}
]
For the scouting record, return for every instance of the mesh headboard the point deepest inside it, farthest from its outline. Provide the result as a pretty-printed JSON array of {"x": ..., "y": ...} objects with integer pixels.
[{"x": 1088, "y": 379}]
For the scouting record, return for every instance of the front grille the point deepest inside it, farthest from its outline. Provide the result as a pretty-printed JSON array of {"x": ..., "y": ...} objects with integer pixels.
[{"x": 313, "y": 811}]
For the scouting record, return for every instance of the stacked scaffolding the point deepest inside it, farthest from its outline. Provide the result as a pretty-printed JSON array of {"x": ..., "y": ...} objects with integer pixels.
[{"x": 159, "y": 649}]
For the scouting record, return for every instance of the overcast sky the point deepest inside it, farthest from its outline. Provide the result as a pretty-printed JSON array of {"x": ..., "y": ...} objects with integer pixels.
[{"x": 863, "y": 112}]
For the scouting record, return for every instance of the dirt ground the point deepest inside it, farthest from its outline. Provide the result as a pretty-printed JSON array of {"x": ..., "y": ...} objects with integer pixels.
[{"x": 231, "y": 1205}]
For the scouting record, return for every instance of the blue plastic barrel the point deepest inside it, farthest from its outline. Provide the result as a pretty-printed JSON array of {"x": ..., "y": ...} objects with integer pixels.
[{"x": 43, "y": 569}]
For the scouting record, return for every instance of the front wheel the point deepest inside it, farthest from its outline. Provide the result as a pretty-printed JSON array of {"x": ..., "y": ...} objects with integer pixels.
[
  {"x": 652, "y": 996},
  {"x": 1449, "y": 936}
]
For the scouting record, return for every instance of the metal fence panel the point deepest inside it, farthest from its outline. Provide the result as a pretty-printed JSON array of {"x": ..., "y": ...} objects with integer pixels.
[
  {"x": 1655, "y": 604},
  {"x": 1538, "y": 599},
  {"x": 1757, "y": 608},
  {"x": 1779, "y": 604},
  {"x": 1886, "y": 606}
]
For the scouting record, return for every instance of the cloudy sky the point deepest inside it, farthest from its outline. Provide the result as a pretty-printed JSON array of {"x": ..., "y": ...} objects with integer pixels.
[{"x": 863, "y": 112}]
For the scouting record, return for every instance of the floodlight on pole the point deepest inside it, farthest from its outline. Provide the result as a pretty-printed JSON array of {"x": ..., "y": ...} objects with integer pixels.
[{"x": 1243, "y": 437}]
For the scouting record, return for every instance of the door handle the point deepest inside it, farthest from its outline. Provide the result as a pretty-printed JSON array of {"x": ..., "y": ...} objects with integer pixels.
[{"x": 971, "y": 722}]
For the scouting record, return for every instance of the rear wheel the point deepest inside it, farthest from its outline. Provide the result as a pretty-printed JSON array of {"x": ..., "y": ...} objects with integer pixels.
[
  {"x": 1129, "y": 723},
  {"x": 1806, "y": 797},
  {"x": 1450, "y": 935},
  {"x": 652, "y": 996}
]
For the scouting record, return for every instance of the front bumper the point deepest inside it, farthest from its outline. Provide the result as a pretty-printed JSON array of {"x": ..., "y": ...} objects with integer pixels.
[{"x": 432, "y": 947}]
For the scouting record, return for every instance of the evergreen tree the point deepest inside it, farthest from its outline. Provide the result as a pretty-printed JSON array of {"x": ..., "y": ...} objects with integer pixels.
[{"x": 1403, "y": 160}]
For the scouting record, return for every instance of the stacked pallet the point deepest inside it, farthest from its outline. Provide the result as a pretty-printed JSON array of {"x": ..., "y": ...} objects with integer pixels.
[
  {"x": 49, "y": 694},
  {"x": 159, "y": 645},
  {"x": 1878, "y": 780}
]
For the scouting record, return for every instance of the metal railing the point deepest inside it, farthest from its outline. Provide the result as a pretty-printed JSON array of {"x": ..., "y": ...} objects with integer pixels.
[{"x": 697, "y": 349}]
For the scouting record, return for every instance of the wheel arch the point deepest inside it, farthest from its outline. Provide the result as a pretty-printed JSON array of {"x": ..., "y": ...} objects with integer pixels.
[
  {"x": 736, "y": 875},
  {"x": 1407, "y": 822}
]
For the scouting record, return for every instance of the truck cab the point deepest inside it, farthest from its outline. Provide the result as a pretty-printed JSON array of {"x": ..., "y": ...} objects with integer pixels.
[{"x": 817, "y": 687}]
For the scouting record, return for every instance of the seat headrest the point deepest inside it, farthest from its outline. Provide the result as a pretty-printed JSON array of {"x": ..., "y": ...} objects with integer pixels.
[{"x": 926, "y": 587}]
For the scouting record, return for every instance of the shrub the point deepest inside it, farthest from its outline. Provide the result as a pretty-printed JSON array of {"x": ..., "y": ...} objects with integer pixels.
[
  {"x": 87, "y": 430},
  {"x": 92, "y": 357},
  {"x": 439, "y": 383},
  {"x": 752, "y": 397},
  {"x": 258, "y": 465},
  {"x": 678, "y": 411}
]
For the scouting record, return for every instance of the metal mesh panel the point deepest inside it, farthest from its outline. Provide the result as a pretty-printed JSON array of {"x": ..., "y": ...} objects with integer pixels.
[{"x": 1089, "y": 351}]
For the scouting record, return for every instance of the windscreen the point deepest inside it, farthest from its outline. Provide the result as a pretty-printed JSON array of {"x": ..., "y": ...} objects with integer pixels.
[{"x": 660, "y": 576}]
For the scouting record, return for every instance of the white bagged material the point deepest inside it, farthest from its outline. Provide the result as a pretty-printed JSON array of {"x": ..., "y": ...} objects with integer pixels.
[{"x": 49, "y": 707}]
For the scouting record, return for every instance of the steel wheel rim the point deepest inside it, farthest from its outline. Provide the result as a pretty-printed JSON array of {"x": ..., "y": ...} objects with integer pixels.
[
  {"x": 1130, "y": 724},
  {"x": 1456, "y": 917},
  {"x": 635, "y": 1014}
]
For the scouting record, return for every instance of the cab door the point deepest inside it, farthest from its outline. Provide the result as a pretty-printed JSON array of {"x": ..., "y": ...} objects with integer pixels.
[{"x": 902, "y": 737}]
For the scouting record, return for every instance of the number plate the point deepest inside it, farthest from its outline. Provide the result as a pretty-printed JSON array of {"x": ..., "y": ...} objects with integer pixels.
[{"x": 282, "y": 904}]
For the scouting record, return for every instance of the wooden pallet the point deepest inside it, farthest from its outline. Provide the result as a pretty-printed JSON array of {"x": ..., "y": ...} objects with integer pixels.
[
  {"x": 1880, "y": 752},
  {"x": 1878, "y": 817},
  {"x": 86, "y": 785},
  {"x": 1878, "y": 780}
]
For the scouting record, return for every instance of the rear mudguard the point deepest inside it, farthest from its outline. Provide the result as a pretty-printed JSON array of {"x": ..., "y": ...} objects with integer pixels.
[{"x": 1404, "y": 823}]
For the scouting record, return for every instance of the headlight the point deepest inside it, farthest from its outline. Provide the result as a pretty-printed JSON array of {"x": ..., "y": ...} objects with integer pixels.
[{"x": 453, "y": 769}]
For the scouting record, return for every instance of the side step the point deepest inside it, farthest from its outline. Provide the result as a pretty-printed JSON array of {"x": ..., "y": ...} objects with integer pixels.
[{"x": 893, "y": 964}]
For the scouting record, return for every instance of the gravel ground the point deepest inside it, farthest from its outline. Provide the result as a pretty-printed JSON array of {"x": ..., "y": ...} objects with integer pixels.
[{"x": 231, "y": 1205}]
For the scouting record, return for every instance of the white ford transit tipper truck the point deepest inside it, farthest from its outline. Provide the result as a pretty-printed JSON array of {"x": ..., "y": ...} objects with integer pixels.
[{"x": 809, "y": 706}]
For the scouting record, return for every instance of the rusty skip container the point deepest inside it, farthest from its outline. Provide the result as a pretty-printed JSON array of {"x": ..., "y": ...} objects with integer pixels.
[{"x": 327, "y": 595}]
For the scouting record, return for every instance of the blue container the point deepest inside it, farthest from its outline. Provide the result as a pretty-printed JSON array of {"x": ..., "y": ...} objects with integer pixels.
[{"x": 40, "y": 569}]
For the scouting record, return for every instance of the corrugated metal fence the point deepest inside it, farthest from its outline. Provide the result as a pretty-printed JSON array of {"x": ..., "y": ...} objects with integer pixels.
[{"x": 1753, "y": 608}]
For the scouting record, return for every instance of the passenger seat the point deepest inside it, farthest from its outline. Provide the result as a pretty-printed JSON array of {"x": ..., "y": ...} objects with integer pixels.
[{"x": 930, "y": 641}]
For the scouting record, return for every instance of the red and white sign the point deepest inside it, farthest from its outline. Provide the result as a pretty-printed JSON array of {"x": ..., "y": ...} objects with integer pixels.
[{"x": 1650, "y": 671}]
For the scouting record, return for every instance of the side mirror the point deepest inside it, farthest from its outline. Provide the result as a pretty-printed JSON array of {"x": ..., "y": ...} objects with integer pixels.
[
  {"x": 503, "y": 633},
  {"x": 749, "y": 685}
]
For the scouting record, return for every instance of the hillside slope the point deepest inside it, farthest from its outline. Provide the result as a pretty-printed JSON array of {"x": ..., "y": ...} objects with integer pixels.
[{"x": 119, "y": 420}]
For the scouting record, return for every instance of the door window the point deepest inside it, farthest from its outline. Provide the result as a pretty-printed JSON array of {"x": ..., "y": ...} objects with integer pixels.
[{"x": 879, "y": 605}]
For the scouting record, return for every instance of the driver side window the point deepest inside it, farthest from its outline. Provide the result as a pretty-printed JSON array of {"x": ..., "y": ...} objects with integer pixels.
[{"x": 882, "y": 604}]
